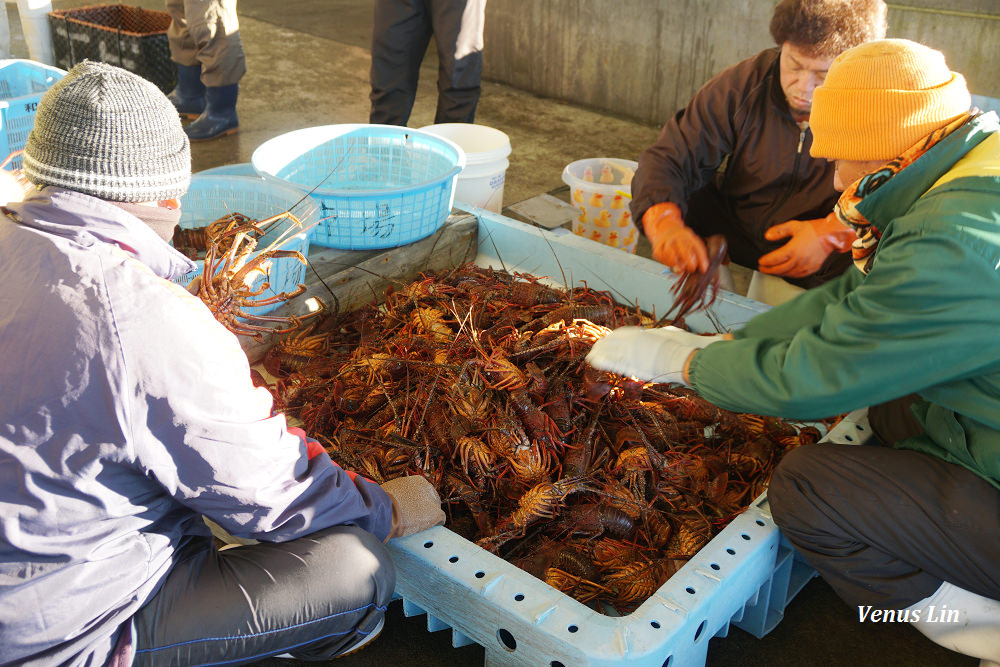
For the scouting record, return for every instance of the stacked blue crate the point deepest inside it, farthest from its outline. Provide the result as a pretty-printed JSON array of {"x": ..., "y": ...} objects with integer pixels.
[{"x": 22, "y": 84}]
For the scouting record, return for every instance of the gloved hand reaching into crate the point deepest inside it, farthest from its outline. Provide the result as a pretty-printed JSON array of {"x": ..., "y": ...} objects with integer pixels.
[
  {"x": 674, "y": 243},
  {"x": 654, "y": 355},
  {"x": 416, "y": 505}
]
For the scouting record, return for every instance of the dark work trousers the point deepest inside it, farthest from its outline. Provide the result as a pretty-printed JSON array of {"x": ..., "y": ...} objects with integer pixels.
[
  {"x": 893, "y": 421},
  {"x": 885, "y": 527},
  {"x": 316, "y": 597},
  {"x": 402, "y": 31},
  {"x": 707, "y": 214}
]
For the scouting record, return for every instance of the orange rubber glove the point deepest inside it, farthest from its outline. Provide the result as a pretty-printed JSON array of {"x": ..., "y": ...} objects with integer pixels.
[
  {"x": 811, "y": 243},
  {"x": 674, "y": 243}
]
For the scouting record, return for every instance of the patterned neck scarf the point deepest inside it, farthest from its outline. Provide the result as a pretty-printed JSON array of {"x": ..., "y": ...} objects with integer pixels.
[{"x": 863, "y": 248}]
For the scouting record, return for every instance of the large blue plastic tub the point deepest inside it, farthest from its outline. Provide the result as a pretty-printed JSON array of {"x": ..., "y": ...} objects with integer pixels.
[
  {"x": 744, "y": 577},
  {"x": 22, "y": 84},
  {"x": 378, "y": 186},
  {"x": 212, "y": 197}
]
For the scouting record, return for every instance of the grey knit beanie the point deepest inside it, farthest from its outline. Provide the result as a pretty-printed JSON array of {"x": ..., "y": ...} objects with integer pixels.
[{"x": 106, "y": 132}]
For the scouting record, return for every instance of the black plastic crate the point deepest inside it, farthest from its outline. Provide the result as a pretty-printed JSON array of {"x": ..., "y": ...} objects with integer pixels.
[{"x": 132, "y": 38}]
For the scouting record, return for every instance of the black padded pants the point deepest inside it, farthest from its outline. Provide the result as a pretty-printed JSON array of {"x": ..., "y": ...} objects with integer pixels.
[
  {"x": 315, "y": 597},
  {"x": 886, "y": 526}
]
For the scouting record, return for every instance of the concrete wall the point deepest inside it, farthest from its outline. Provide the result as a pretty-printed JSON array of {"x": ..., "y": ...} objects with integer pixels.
[{"x": 644, "y": 59}]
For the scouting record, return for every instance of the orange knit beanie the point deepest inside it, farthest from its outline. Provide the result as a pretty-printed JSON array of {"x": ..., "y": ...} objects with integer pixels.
[{"x": 882, "y": 97}]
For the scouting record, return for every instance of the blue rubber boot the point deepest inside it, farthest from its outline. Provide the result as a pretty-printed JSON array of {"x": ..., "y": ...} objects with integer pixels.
[
  {"x": 188, "y": 96},
  {"x": 219, "y": 117}
]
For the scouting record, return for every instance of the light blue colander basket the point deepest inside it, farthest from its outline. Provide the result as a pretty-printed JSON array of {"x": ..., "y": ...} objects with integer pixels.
[{"x": 378, "y": 186}]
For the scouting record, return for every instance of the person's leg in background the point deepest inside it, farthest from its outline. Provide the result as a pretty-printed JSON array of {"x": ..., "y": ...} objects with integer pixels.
[
  {"x": 205, "y": 43},
  {"x": 315, "y": 597},
  {"x": 35, "y": 27},
  {"x": 401, "y": 33},
  {"x": 188, "y": 96},
  {"x": 458, "y": 31},
  {"x": 897, "y": 529}
]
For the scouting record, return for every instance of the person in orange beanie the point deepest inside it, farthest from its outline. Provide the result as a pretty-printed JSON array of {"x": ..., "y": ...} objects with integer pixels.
[
  {"x": 908, "y": 530},
  {"x": 736, "y": 160}
]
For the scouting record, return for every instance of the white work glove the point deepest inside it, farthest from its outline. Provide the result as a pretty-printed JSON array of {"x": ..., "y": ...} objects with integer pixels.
[
  {"x": 416, "y": 505},
  {"x": 653, "y": 355}
]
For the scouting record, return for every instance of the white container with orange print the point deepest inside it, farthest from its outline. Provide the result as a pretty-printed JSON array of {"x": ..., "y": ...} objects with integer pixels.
[{"x": 599, "y": 189}]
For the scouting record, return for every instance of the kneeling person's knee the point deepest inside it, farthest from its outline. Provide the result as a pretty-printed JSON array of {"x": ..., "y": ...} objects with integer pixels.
[{"x": 793, "y": 479}]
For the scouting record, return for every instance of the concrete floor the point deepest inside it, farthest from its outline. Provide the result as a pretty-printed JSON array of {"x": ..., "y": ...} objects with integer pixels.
[{"x": 308, "y": 65}]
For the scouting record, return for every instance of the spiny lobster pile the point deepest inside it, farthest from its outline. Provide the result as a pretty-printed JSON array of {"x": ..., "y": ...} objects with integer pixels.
[{"x": 598, "y": 484}]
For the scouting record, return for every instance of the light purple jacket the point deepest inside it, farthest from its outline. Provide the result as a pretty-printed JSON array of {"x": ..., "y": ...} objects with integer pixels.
[{"x": 127, "y": 413}]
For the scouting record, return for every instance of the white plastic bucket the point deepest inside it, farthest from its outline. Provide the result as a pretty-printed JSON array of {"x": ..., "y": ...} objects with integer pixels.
[
  {"x": 600, "y": 188},
  {"x": 481, "y": 183},
  {"x": 37, "y": 32}
]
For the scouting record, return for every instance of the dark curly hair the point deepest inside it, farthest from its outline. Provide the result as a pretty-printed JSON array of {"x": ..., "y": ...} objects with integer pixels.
[{"x": 826, "y": 28}]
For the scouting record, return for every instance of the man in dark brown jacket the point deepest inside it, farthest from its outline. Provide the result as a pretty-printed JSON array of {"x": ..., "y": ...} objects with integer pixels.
[{"x": 736, "y": 160}]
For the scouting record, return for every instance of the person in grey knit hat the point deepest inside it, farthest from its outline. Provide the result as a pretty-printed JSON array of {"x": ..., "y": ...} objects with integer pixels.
[
  {"x": 128, "y": 417},
  {"x": 111, "y": 134}
]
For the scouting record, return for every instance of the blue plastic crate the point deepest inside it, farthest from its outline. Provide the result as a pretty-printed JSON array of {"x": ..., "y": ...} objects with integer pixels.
[
  {"x": 378, "y": 186},
  {"x": 22, "y": 84},
  {"x": 744, "y": 577},
  {"x": 212, "y": 197},
  {"x": 520, "y": 620}
]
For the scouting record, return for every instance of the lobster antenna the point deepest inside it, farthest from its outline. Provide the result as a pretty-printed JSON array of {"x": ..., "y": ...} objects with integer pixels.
[
  {"x": 489, "y": 237},
  {"x": 324, "y": 179},
  {"x": 555, "y": 257},
  {"x": 336, "y": 301}
]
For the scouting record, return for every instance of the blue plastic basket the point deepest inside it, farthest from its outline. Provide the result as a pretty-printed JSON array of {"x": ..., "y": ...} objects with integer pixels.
[
  {"x": 211, "y": 197},
  {"x": 238, "y": 169},
  {"x": 22, "y": 84},
  {"x": 378, "y": 186}
]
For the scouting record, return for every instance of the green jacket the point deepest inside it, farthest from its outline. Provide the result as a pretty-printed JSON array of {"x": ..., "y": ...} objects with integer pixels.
[{"x": 924, "y": 320}]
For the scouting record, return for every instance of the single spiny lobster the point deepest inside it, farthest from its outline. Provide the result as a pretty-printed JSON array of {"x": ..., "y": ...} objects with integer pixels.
[
  {"x": 697, "y": 291},
  {"x": 228, "y": 276}
]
